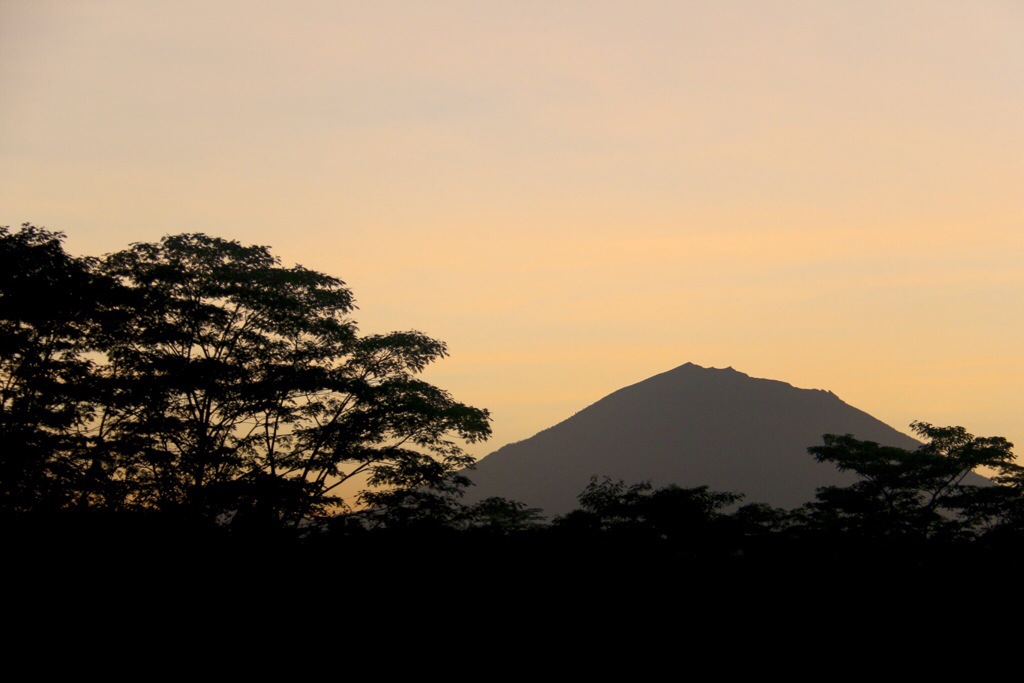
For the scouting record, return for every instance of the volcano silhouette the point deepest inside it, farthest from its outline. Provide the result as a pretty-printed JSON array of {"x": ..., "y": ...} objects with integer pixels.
[{"x": 689, "y": 426}]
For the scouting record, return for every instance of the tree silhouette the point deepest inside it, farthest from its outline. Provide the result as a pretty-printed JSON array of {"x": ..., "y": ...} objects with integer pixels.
[
  {"x": 502, "y": 516},
  {"x": 247, "y": 390},
  {"x": 918, "y": 494},
  {"x": 199, "y": 376},
  {"x": 680, "y": 517},
  {"x": 51, "y": 307}
]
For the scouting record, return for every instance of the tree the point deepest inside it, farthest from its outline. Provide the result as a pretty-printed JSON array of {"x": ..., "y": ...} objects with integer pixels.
[
  {"x": 242, "y": 389},
  {"x": 672, "y": 514},
  {"x": 51, "y": 305},
  {"x": 501, "y": 516},
  {"x": 915, "y": 494}
]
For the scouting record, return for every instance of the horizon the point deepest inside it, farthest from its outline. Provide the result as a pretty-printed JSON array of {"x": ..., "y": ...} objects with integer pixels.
[{"x": 574, "y": 197}]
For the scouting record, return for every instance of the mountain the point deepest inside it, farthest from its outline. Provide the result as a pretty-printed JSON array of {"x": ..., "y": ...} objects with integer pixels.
[{"x": 688, "y": 426}]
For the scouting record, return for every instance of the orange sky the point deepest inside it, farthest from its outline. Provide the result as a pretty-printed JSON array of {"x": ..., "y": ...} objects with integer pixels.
[{"x": 574, "y": 195}]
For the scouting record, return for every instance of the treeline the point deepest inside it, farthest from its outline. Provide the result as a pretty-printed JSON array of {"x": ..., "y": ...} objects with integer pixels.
[
  {"x": 195, "y": 393},
  {"x": 912, "y": 520}
]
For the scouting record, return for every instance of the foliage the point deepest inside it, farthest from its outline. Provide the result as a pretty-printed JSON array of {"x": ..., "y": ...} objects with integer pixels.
[
  {"x": 915, "y": 494},
  {"x": 50, "y": 305},
  {"x": 502, "y": 516},
  {"x": 228, "y": 386},
  {"x": 671, "y": 513}
]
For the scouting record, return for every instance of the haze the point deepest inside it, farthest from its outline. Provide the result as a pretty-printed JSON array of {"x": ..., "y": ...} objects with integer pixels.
[{"x": 574, "y": 195}]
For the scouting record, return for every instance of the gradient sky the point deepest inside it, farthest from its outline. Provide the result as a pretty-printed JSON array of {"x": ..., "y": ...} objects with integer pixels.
[{"x": 574, "y": 195}]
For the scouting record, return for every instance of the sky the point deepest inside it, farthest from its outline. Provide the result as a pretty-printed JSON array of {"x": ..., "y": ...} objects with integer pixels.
[{"x": 573, "y": 195}]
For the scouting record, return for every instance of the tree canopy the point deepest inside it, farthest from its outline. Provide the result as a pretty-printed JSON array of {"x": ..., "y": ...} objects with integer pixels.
[
  {"x": 226, "y": 386},
  {"x": 922, "y": 493},
  {"x": 50, "y": 304}
]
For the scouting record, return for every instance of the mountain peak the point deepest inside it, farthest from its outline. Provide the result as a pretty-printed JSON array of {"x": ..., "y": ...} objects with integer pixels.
[
  {"x": 728, "y": 371},
  {"x": 688, "y": 426},
  {"x": 694, "y": 366}
]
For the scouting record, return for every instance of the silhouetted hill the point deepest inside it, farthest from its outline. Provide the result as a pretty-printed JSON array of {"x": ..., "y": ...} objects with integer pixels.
[{"x": 689, "y": 426}]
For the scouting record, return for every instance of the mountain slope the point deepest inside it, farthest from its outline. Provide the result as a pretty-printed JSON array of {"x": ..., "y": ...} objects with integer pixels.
[{"x": 689, "y": 426}]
